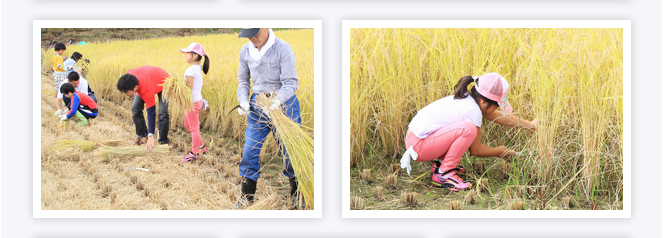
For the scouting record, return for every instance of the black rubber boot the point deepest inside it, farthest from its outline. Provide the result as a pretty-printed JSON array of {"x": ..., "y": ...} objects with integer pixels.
[
  {"x": 294, "y": 194},
  {"x": 248, "y": 190}
]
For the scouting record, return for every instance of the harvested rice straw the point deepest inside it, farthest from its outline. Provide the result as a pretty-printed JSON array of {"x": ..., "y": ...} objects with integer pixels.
[
  {"x": 271, "y": 202},
  {"x": 83, "y": 145},
  {"x": 106, "y": 151},
  {"x": 299, "y": 146},
  {"x": 178, "y": 96}
]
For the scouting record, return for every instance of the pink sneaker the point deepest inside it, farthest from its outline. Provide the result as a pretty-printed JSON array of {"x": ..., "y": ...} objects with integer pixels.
[
  {"x": 437, "y": 164},
  {"x": 450, "y": 180},
  {"x": 190, "y": 157}
]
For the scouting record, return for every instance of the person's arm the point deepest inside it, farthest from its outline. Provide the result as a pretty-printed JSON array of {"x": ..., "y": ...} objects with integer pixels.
[
  {"x": 189, "y": 81},
  {"x": 58, "y": 103},
  {"x": 481, "y": 150},
  {"x": 288, "y": 76},
  {"x": 59, "y": 64},
  {"x": 243, "y": 74},
  {"x": 75, "y": 102},
  {"x": 511, "y": 120}
]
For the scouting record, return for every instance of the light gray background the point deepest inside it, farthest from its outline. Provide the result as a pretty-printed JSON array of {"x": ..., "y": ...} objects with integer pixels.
[{"x": 16, "y": 75}]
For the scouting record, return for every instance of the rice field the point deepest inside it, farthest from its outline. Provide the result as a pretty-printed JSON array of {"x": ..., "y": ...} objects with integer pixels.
[
  {"x": 570, "y": 80},
  {"x": 78, "y": 174}
]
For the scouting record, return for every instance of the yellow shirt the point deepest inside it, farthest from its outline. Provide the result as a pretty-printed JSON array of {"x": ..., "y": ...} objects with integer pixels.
[{"x": 57, "y": 64}]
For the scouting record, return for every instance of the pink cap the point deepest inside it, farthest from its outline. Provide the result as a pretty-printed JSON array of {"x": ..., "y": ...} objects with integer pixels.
[
  {"x": 494, "y": 87},
  {"x": 195, "y": 48}
]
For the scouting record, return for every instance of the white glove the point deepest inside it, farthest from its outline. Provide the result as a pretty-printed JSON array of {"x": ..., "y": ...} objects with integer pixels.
[
  {"x": 65, "y": 112},
  {"x": 205, "y": 105},
  {"x": 243, "y": 109},
  {"x": 58, "y": 112},
  {"x": 63, "y": 118},
  {"x": 275, "y": 105}
]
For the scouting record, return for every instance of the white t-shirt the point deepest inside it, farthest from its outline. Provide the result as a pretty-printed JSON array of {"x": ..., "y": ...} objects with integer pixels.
[
  {"x": 444, "y": 112},
  {"x": 195, "y": 71},
  {"x": 70, "y": 65},
  {"x": 82, "y": 87}
]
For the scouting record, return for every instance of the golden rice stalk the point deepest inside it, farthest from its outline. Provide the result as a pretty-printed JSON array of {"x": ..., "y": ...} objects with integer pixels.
[
  {"x": 83, "y": 145},
  {"x": 356, "y": 203},
  {"x": 455, "y": 205},
  {"x": 367, "y": 175},
  {"x": 107, "y": 151},
  {"x": 299, "y": 146},
  {"x": 271, "y": 202},
  {"x": 516, "y": 205},
  {"x": 377, "y": 192},
  {"x": 178, "y": 96},
  {"x": 469, "y": 197},
  {"x": 391, "y": 181},
  {"x": 409, "y": 198}
]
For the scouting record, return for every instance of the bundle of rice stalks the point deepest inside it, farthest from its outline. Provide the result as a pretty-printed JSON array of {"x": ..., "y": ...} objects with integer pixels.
[
  {"x": 178, "y": 96},
  {"x": 106, "y": 151},
  {"x": 83, "y": 145},
  {"x": 299, "y": 146},
  {"x": 271, "y": 202}
]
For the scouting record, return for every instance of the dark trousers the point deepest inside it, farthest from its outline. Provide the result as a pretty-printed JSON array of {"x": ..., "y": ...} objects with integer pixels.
[{"x": 139, "y": 120}]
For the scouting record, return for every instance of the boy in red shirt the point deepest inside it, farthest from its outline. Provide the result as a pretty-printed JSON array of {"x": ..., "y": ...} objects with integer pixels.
[
  {"x": 82, "y": 106},
  {"x": 143, "y": 83}
]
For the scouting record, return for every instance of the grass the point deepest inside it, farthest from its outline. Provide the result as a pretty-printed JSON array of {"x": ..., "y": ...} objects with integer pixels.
[{"x": 570, "y": 80}]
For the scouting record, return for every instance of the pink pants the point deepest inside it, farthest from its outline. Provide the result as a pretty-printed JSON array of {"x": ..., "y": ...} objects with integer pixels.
[
  {"x": 449, "y": 143},
  {"x": 192, "y": 124}
]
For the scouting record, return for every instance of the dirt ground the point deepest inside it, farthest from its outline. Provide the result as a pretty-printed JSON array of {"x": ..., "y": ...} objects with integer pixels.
[{"x": 77, "y": 180}]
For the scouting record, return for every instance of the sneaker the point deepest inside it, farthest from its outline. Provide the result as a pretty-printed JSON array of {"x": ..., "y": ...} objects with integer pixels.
[
  {"x": 202, "y": 149},
  {"x": 190, "y": 157},
  {"x": 139, "y": 141},
  {"x": 450, "y": 180},
  {"x": 437, "y": 164}
]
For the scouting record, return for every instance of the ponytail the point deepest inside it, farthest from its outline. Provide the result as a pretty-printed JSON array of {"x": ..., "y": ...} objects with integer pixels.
[
  {"x": 206, "y": 65},
  {"x": 461, "y": 87},
  {"x": 462, "y": 92}
]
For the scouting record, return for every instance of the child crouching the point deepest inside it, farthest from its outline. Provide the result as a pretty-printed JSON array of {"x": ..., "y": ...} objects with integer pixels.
[{"x": 82, "y": 106}]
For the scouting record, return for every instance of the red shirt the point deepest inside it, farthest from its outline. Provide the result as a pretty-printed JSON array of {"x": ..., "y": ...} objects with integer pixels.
[
  {"x": 150, "y": 82},
  {"x": 86, "y": 100}
]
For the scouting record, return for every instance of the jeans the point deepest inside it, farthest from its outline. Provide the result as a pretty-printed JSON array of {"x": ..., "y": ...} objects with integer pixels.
[
  {"x": 139, "y": 120},
  {"x": 259, "y": 126}
]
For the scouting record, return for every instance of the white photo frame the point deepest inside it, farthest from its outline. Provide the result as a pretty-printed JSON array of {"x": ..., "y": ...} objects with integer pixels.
[
  {"x": 346, "y": 152},
  {"x": 314, "y": 24}
]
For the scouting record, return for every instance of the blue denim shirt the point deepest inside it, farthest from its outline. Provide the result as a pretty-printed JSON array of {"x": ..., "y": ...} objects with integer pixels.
[{"x": 274, "y": 72}]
